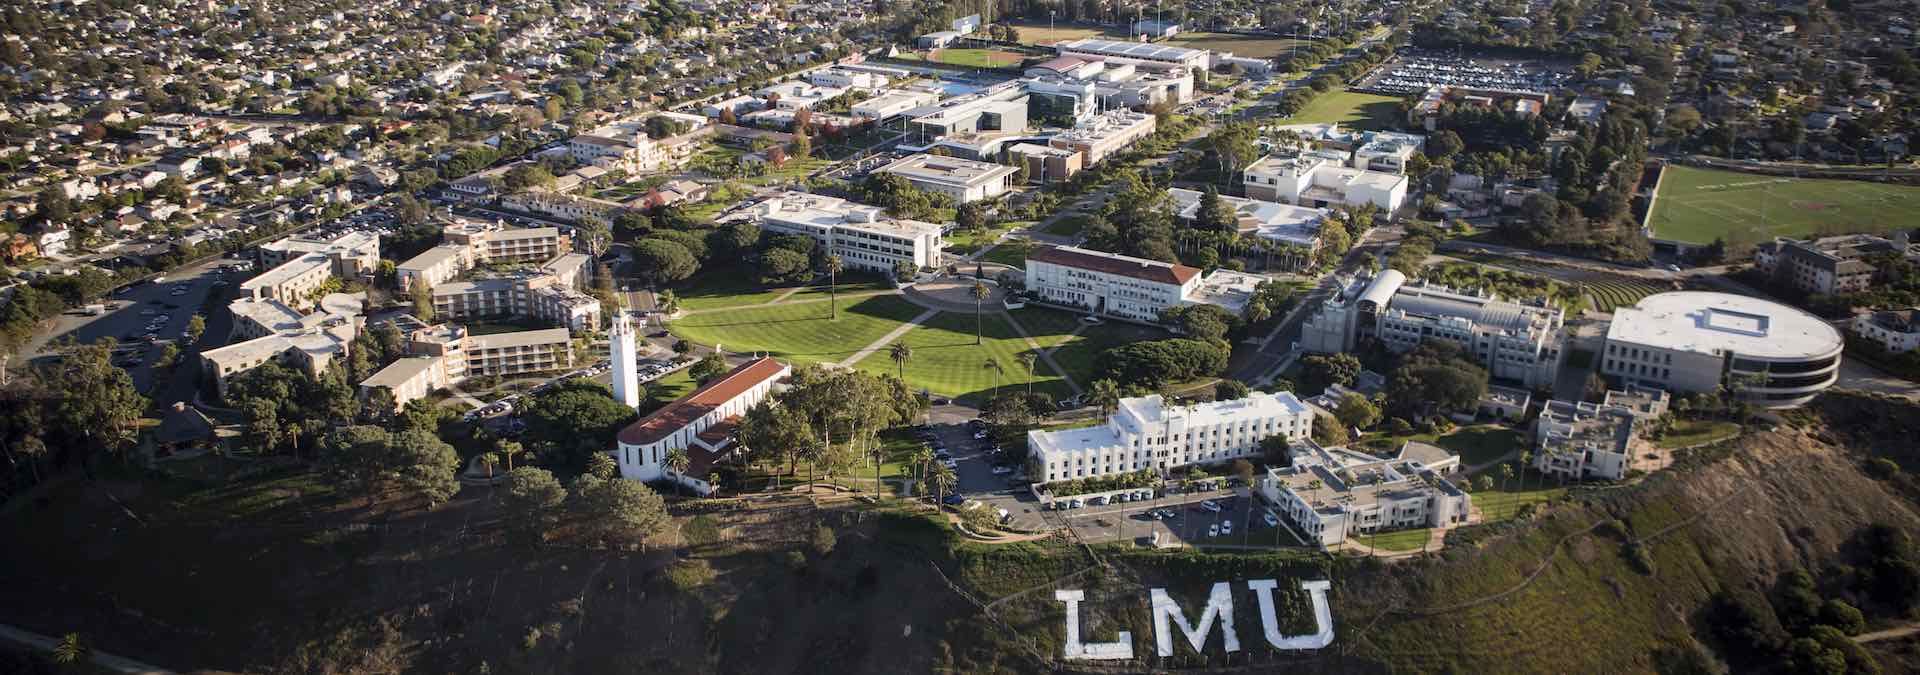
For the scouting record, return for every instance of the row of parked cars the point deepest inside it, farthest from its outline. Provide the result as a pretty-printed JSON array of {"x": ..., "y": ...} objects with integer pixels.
[{"x": 1103, "y": 500}]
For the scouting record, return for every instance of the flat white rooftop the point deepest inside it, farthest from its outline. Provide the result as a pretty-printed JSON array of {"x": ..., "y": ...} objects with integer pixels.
[
  {"x": 826, "y": 213},
  {"x": 1138, "y": 50},
  {"x": 949, "y": 170},
  {"x": 287, "y": 270},
  {"x": 1712, "y": 323}
]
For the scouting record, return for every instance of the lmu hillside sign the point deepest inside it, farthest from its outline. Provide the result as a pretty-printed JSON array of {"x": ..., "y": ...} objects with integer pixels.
[{"x": 1166, "y": 614}]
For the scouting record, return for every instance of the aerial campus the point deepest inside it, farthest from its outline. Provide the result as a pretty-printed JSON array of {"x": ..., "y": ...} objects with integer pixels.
[{"x": 1323, "y": 283}]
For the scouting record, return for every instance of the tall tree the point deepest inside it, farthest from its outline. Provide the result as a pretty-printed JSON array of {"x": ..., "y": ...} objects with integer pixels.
[
  {"x": 833, "y": 286},
  {"x": 901, "y": 354},
  {"x": 677, "y": 462},
  {"x": 1027, "y": 360},
  {"x": 980, "y": 294}
]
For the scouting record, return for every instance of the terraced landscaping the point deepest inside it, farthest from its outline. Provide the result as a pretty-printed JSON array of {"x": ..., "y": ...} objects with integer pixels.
[{"x": 1604, "y": 296}]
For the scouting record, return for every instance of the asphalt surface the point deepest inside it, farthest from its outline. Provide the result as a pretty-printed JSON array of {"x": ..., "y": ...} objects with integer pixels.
[{"x": 133, "y": 309}]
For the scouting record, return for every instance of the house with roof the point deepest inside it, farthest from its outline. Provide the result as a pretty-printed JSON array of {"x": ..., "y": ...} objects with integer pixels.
[{"x": 700, "y": 423}]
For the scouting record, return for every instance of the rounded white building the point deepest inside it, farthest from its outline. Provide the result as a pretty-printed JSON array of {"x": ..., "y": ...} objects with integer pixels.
[{"x": 1693, "y": 341}]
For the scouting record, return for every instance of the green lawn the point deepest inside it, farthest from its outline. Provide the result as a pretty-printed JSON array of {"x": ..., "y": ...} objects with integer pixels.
[
  {"x": 1686, "y": 433},
  {"x": 1397, "y": 540},
  {"x": 1012, "y": 252},
  {"x": 1699, "y": 205},
  {"x": 1497, "y": 505},
  {"x": 947, "y": 362},
  {"x": 1077, "y": 353},
  {"x": 801, "y": 332},
  {"x": 965, "y": 242},
  {"x": 1350, "y": 109},
  {"x": 1066, "y": 227},
  {"x": 1475, "y": 445},
  {"x": 729, "y": 286}
]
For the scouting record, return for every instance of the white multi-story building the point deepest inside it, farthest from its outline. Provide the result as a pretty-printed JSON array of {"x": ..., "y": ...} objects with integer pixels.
[
  {"x": 1693, "y": 341},
  {"x": 701, "y": 424},
  {"x": 864, "y": 237},
  {"x": 465, "y": 244},
  {"x": 294, "y": 282},
  {"x": 1145, "y": 433},
  {"x": 1897, "y": 331},
  {"x": 1109, "y": 284},
  {"x": 1332, "y": 494},
  {"x": 1580, "y": 440},
  {"x": 1387, "y": 151},
  {"x": 1128, "y": 288},
  {"x": 1273, "y": 221},
  {"x": 1318, "y": 180},
  {"x": 891, "y": 104},
  {"x": 1082, "y": 84},
  {"x": 963, "y": 180},
  {"x": 1521, "y": 342},
  {"x": 621, "y": 351}
]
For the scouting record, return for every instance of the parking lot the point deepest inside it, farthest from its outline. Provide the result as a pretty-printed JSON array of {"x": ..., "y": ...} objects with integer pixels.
[
  {"x": 1240, "y": 520},
  {"x": 145, "y": 317}
]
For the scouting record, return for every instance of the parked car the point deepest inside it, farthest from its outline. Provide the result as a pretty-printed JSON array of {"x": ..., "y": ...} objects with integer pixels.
[
  {"x": 1226, "y": 527},
  {"x": 953, "y": 500},
  {"x": 1210, "y": 506},
  {"x": 1271, "y": 520},
  {"x": 1098, "y": 501},
  {"x": 1073, "y": 503},
  {"x": 1002, "y": 470},
  {"x": 950, "y": 463},
  {"x": 1213, "y": 530}
]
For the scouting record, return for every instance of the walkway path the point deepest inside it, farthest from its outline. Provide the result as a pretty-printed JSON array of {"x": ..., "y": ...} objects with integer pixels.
[
  {"x": 103, "y": 660},
  {"x": 1045, "y": 354},
  {"x": 887, "y": 339},
  {"x": 1888, "y": 634}
]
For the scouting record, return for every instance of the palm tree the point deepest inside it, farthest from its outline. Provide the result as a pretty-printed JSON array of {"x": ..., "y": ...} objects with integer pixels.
[
  {"x": 488, "y": 460},
  {"x": 994, "y": 365},
  {"x": 1106, "y": 394},
  {"x": 677, "y": 461},
  {"x": 942, "y": 479},
  {"x": 901, "y": 354},
  {"x": 979, "y": 293},
  {"x": 1526, "y": 458},
  {"x": 1026, "y": 360},
  {"x": 833, "y": 286},
  {"x": 1257, "y": 312},
  {"x": 921, "y": 458},
  {"x": 508, "y": 449},
  {"x": 713, "y": 479},
  {"x": 879, "y": 452},
  {"x": 667, "y": 301},
  {"x": 813, "y": 453},
  {"x": 70, "y": 650},
  {"x": 1506, "y": 474}
]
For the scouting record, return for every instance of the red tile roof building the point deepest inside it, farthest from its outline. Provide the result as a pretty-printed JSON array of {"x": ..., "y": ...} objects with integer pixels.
[
  {"x": 700, "y": 423},
  {"x": 1135, "y": 289}
]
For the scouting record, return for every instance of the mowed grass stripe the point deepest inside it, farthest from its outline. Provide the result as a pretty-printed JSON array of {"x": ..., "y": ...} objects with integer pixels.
[
  {"x": 799, "y": 332},
  {"x": 1697, "y": 205},
  {"x": 947, "y": 362}
]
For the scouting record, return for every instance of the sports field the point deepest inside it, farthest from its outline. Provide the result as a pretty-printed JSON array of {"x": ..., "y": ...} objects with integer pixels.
[
  {"x": 1037, "y": 32},
  {"x": 977, "y": 58},
  {"x": 1250, "y": 46},
  {"x": 1351, "y": 109},
  {"x": 1697, "y": 205}
]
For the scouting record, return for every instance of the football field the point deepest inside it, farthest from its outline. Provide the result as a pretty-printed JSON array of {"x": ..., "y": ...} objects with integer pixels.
[{"x": 1697, "y": 205}]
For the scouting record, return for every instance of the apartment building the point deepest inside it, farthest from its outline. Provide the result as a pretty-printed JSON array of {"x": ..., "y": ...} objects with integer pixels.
[
  {"x": 562, "y": 207},
  {"x": 963, "y": 180},
  {"x": 864, "y": 237},
  {"x": 294, "y": 283},
  {"x": 1145, "y": 433},
  {"x": 465, "y": 244},
  {"x": 1895, "y": 330},
  {"x": 1828, "y": 265},
  {"x": 1333, "y": 494},
  {"x": 1520, "y": 342},
  {"x": 266, "y": 329},
  {"x": 1579, "y": 440},
  {"x": 1318, "y": 180},
  {"x": 442, "y": 355},
  {"x": 353, "y": 253},
  {"x": 1692, "y": 341},
  {"x": 701, "y": 423},
  {"x": 1104, "y": 135}
]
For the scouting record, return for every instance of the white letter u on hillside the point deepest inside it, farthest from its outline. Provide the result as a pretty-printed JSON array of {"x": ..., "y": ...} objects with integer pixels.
[{"x": 1322, "y": 615}]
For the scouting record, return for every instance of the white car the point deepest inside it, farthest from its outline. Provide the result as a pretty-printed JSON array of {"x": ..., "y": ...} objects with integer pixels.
[
  {"x": 1226, "y": 527},
  {"x": 950, "y": 463},
  {"x": 1213, "y": 530},
  {"x": 1272, "y": 521},
  {"x": 1210, "y": 506},
  {"x": 1002, "y": 470}
]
